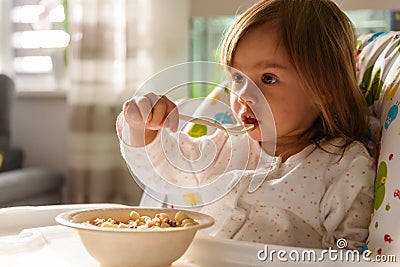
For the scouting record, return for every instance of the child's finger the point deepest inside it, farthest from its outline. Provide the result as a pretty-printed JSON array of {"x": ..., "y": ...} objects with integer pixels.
[
  {"x": 153, "y": 100},
  {"x": 172, "y": 120},
  {"x": 145, "y": 107},
  {"x": 159, "y": 115},
  {"x": 131, "y": 112}
]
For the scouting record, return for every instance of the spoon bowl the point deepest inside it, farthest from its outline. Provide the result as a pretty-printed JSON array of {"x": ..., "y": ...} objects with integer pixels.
[{"x": 235, "y": 130}]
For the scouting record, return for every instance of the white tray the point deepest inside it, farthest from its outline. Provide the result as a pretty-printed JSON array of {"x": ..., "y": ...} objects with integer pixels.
[{"x": 29, "y": 236}]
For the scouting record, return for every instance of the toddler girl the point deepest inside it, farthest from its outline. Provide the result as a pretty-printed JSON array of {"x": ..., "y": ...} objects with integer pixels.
[{"x": 307, "y": 183}]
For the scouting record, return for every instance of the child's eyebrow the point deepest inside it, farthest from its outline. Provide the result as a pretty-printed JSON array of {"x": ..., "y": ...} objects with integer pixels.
[{"x": 270, "y": 64}]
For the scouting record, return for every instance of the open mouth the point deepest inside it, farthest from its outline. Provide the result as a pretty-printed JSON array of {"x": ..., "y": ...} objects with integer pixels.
[{"x": 248, "y": 119}]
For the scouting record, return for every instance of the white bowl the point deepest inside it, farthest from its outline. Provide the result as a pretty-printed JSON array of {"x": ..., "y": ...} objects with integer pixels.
[{"x": 153, "y": 247}]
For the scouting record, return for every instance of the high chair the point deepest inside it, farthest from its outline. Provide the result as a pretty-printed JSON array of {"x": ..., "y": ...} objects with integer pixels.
[{"x": 378, "y": 71}]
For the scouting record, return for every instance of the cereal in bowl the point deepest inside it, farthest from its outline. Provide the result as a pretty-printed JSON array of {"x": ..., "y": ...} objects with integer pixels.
[{"x": 137, "y": 221}]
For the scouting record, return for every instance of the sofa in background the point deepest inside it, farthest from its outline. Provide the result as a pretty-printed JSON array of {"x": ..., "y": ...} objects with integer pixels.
[{"x": 19, "y": 185}]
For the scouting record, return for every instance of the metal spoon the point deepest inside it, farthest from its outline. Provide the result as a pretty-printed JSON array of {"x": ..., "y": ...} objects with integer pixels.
[{"x": 240, "y": 129}]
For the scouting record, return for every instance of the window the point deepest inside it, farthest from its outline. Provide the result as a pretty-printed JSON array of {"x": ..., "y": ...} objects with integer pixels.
[
  {"x": 39, "y": 42},
  {"x": 367, "y": 21},
  {"x": 206, "y": 34}
]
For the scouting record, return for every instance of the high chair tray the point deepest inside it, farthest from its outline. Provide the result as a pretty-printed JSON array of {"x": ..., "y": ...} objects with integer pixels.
[{"x": 47, "y": 244}]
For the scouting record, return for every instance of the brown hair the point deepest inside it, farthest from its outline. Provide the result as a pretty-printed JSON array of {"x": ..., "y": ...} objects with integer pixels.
[{"x": 321, "y": 44}]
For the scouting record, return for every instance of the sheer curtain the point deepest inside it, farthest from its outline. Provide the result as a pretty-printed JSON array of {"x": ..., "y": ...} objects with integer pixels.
[{"x": 115, "y": 46}]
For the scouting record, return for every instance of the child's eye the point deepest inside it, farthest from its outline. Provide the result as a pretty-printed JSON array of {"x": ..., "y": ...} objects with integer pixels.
[
  {"x": 268, "y": 79},
  {"x": 237, "y": 78}
]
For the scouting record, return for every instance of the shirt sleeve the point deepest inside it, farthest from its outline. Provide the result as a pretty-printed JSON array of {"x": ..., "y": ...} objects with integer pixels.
[
  {"x": 346, "y": 207},
  {"x": 183, "y": 160}
]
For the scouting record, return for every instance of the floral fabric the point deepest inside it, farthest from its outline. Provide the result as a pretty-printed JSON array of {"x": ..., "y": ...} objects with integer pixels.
[{"x": 378, "y": 74}]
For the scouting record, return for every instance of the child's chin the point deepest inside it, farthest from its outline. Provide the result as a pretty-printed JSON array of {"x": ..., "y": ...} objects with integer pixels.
[{"x": 255, "y": 134}]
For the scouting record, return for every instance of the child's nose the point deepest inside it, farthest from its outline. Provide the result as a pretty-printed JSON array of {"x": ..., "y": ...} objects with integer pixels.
[
  {"x": 246, "y": 91},
  {"x": 247, "y": 102},
  {"x": 241, "y": 100},
  {"x": 246, "y": 97}
]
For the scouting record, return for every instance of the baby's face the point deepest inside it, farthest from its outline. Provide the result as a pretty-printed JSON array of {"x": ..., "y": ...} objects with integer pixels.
[{"x": 261, "y": 56}]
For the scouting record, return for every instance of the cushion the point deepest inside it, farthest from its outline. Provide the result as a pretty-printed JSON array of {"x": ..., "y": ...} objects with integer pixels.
[
  {"x": 11, "y": 159},
  {"x": 6, "y": 94},
  {"x": 378, "y": 71},
  {"x": 30, "y": 186}
]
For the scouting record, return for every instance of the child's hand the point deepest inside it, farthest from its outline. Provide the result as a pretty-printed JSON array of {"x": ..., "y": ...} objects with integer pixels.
[{"x": 149, "y": 113}]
